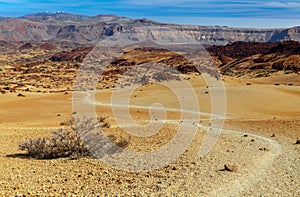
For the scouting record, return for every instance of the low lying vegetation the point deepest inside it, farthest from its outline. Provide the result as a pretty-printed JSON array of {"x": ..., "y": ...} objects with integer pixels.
[{"x": 70, "y": 141}]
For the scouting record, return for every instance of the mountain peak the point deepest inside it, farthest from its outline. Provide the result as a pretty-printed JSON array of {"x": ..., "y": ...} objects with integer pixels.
[
  {"x": 106, "y": 16},
  {"x": 45, "y": 14},
  {"x": 57, "y": 17}
]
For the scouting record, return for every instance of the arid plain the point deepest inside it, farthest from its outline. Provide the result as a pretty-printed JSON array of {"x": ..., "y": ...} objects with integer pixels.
[
  {"x": 265, "y": 117},
  {"x": 256, "y": 154}
]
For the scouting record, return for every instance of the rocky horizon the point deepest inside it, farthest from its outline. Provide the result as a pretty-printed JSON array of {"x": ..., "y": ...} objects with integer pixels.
[{"x": 60, "y": 27}]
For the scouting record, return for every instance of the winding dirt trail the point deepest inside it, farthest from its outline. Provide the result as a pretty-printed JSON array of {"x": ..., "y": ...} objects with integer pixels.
[{"x": 259, "y": 167}]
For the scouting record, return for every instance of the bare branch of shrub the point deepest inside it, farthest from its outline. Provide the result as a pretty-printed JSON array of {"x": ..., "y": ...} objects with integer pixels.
[{"x": 70, "y": 142}]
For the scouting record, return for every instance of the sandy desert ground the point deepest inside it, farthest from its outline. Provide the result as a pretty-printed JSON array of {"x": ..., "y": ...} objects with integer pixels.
[{"x": 259, "y": 136}]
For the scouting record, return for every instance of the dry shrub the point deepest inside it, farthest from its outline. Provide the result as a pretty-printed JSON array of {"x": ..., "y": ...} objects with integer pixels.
[
  {"x": 62, "y": 143},
  {"x": 70, "y": 141}
]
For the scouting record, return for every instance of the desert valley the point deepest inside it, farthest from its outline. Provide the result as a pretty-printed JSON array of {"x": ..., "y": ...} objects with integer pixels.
[{"x": 257, "y": 152}]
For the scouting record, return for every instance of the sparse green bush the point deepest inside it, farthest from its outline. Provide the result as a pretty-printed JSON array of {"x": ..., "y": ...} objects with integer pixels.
[{"x": 68, "y": 143}]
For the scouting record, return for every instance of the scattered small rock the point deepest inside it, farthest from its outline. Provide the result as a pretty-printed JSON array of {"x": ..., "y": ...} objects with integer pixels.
[
  {"x": 297, "y": 142},
  {"x": 156, "y": 188},
  {"x": 273, "y": 135},
  {"x": 245, "y": 135},
  {"x": 230, "y": 168},
  {"x": 264, "y": 149},
  {"x": 21, "y": 95},
  {"x": 252, "y": 140},
  {"x": 17, "y": 68}
]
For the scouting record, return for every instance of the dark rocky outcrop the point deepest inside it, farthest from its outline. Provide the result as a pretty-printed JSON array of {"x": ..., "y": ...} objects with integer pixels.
[
  {"x": 76, "y": 55},
  {"x": 26, "y": 46},
  {"x": 259, "y": 59},
  {"x": 47, "y": 47},
  {"x": 241, "y": 49}
]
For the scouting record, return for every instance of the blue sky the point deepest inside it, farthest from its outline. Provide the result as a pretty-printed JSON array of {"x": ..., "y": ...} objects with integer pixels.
[{"x": 236, "y": 13}]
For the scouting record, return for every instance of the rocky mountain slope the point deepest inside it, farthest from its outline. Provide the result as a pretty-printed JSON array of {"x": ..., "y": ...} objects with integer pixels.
[
  {"x": 257, "y": 59},
  {"x": 80, "y": 28}
]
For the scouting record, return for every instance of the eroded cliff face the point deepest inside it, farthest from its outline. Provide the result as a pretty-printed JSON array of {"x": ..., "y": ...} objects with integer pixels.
[
  {"x": 216, "y": 35},
  {"x": 294, "y": 33},
  {"x": 225, "y": 35},
  {"x": 79, "y": 28}
]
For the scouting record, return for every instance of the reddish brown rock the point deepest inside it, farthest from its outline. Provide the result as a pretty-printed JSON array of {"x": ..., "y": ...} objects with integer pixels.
[
  {"x": 241, "y": 50},
  {"x": 76, "y": 55},
  {"x": 17, "y": 68},
  {"x": 260, "y": 59},
  {"x": 48, "y": 47},
  {"x": 230, "y": 168},
  {"x": 26, "y": 46}
]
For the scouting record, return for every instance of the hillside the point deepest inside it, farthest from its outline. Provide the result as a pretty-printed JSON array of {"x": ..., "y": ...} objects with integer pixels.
[
  {"x": 80, "y": 28},
  {"x": 257, "y": 59}
]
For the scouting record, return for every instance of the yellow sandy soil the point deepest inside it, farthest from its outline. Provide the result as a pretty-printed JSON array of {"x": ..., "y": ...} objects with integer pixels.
[{"x": 259, "y": 108}]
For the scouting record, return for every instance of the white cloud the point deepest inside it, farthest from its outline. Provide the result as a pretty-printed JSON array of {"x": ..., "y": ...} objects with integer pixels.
[
  {"x": 277, "y": 4},
  {"x": 217, "y": 3},
  {"x": 10, "y": 1},
  {"x": 222, "y": 8},
  {"x": 161, "y": 2}
]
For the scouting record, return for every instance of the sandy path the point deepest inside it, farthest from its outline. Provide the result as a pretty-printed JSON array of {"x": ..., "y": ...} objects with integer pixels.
[{"x": 246, "y": 180}]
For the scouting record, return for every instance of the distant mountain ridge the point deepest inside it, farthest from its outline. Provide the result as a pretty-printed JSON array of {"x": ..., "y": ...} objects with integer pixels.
[{"x": 80, "y": 28}]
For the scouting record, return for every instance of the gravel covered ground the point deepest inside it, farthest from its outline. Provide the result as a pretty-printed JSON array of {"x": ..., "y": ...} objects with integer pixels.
[{"x": 266, "y": 166}]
